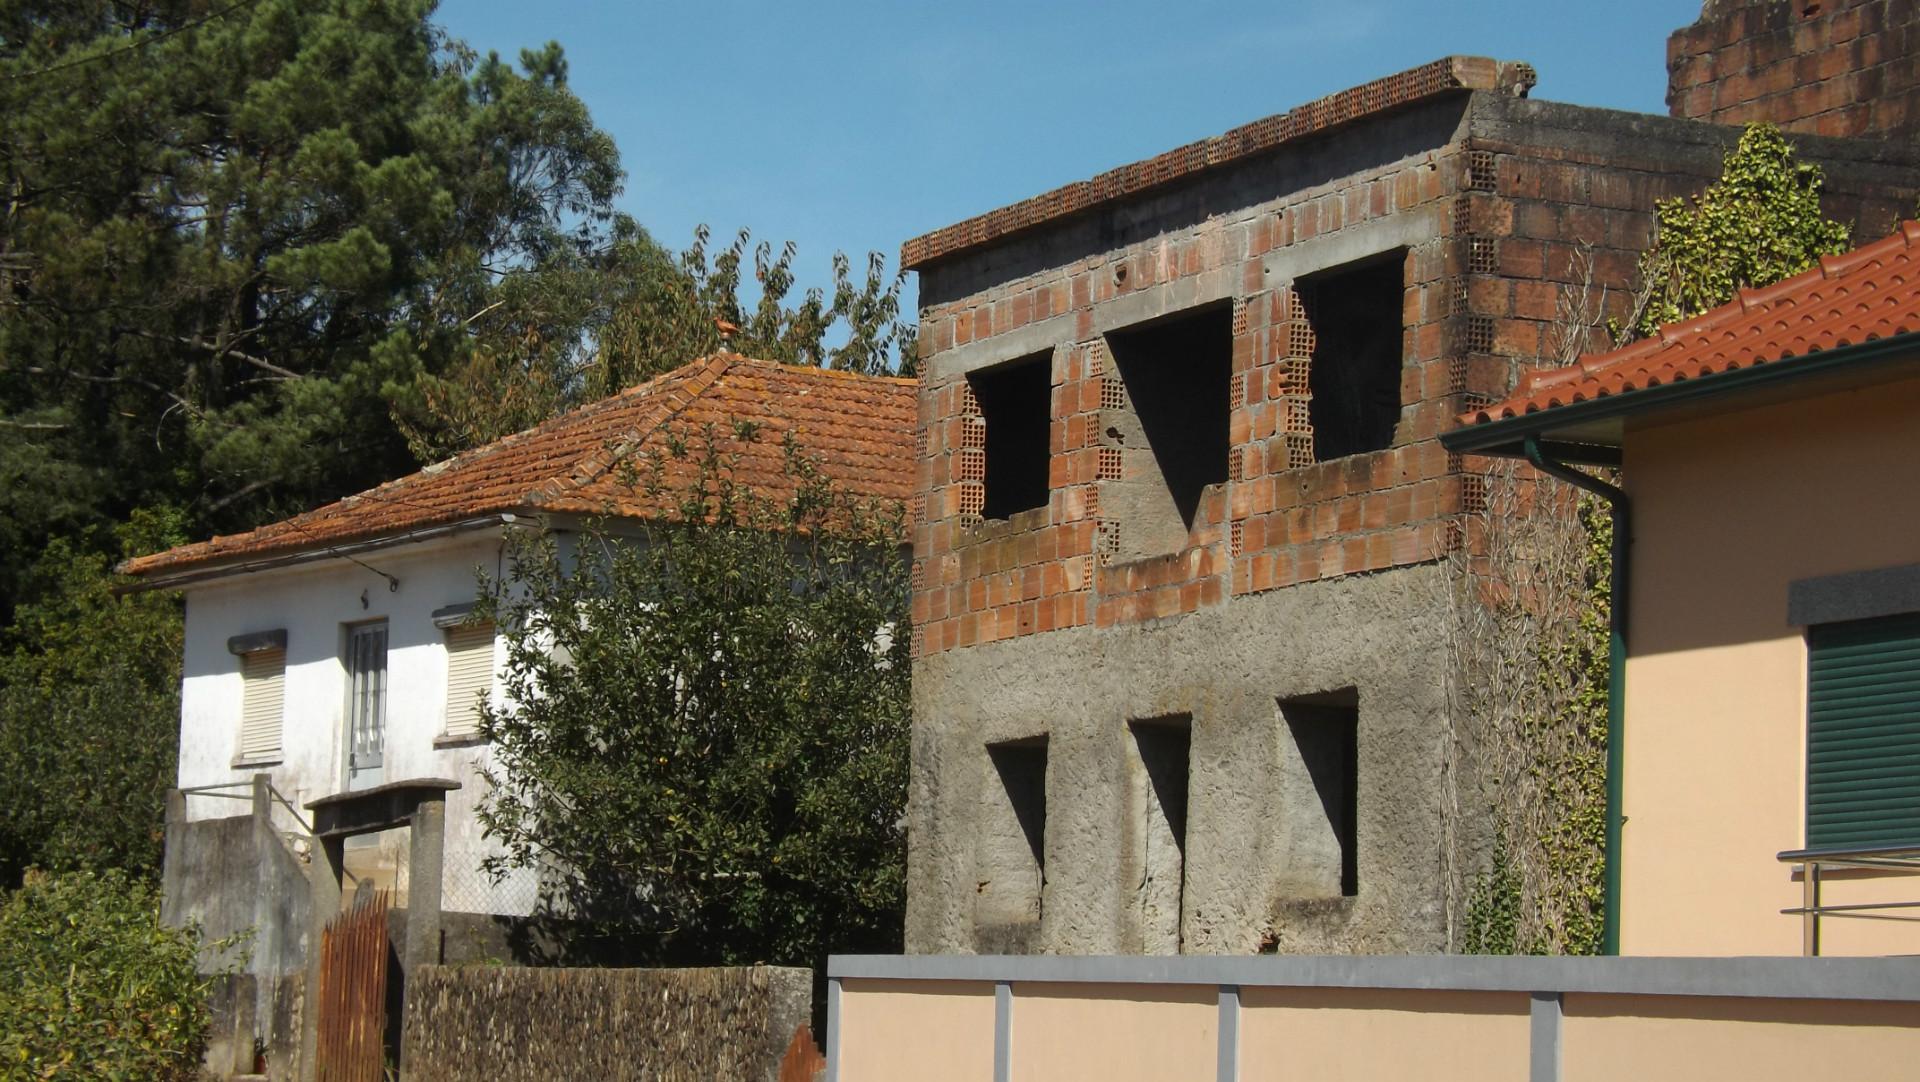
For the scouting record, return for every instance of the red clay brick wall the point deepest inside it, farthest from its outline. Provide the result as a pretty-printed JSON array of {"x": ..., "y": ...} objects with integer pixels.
[
  {"x": 1269, "y": 525},
  {"x": 1507, "y": 221},
  {"x": 1829, "y": 67}
]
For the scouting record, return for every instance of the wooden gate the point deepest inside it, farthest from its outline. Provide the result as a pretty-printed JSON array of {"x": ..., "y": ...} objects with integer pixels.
[{"x": 353, "y": 994}]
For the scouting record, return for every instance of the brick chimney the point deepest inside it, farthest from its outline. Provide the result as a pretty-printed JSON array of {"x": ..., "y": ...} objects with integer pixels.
[{"x": 1828, "y": 67}]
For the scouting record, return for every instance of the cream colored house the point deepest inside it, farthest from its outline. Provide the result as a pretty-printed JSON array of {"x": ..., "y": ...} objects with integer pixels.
[{"x": 1770, "y": 451}]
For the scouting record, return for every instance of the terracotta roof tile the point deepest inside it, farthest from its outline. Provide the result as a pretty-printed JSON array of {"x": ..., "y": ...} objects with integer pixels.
[
  {"x": 1443, "y": 76},
  {"x": 1867, "y": 294},
  {"x": 858, "y": 429}
]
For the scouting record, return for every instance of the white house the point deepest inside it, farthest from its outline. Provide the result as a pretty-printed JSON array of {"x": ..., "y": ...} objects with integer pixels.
[{"x": 333, "y": 651}]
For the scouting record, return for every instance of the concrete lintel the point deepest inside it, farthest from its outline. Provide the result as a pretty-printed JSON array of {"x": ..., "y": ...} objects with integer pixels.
[
  {"x": 382, "y": 807},
  {"x": 1354, "y": 243},
  {"x": 1892, "y": 979},
  {"x": 1854, "y": 595},
  {"x": 1026, "y": 341},
  {"x": 257, "y": 641},
  {"x": 1167, "y": 298}
]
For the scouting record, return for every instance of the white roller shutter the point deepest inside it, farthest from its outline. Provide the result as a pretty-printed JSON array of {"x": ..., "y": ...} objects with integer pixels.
[
  {"x": 263, "y": 678},
  {"x": 469, "y": 676}
]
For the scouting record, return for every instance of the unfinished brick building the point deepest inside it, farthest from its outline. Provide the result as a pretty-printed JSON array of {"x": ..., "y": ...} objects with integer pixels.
[{"x": 1179, "y": 614}]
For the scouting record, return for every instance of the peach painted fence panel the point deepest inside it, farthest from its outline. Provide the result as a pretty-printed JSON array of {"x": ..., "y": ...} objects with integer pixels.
[{"x": 956, "y": 1018}]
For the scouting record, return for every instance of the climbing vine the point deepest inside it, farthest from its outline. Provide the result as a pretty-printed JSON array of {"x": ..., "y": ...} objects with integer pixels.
[
  {"x": 1759, "y": 223},
  {"x": 1530, "y": 641}
]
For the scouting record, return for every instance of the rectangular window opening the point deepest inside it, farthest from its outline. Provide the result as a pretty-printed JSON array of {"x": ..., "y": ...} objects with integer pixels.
[
  {"x": 1016, "y": 408},
  {"x": 1358, "y": 334},
  {"x": 1013, "y": 846},
  {"x": 1863, "y": 733},
  {"x": 1175, "y": 429},
  {"x": 1163, "y": 746},
  {"x": 1320, "y": 780}
]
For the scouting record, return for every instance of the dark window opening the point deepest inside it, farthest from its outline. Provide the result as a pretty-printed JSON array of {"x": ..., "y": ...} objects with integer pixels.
[
  {"x": 1355, "y": 372},
  {"x": 1165, "y": 748},
  {"x": 1016, "y": 402},
  {"x": 1325, "y": 731},
  {"x": 1013, "y": 840},
  {"x": 1178, "y": 373}
]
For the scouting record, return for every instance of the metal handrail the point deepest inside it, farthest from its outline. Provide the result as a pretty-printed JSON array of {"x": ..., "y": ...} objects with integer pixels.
[
  {"x": 1904, "y": 858},
  {"x": 218, "y": 790}
]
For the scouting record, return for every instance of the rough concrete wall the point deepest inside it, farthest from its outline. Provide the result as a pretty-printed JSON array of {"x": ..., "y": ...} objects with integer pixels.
[
  {"x": 239, "y": 1027},
  {"x": 234, "y": 875},
  {"x": 1831, "y": 67},
  {"x": 509, "y": 1024},
  {"x": 1228, "y": 668}
]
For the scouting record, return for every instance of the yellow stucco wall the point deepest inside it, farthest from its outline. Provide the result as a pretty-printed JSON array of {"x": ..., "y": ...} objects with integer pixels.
[
  {"x": 1337, "y": 1035},
  {"x": 1115, "y": 1032},
  {"x": 939, "y": 1031},
  {"x": 1608, "y": 1038},
  {"x": 1730, "y": 509}
]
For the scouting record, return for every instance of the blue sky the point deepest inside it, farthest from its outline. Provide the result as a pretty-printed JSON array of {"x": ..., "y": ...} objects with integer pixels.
[{"x": 854, "y": 126}]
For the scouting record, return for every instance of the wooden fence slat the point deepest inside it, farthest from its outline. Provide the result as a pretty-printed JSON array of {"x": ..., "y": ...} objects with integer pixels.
[{"x": 353, "y": 994}]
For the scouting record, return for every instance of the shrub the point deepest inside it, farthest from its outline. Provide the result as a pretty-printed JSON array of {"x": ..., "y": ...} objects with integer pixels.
[{"x": 92, "y": 986}]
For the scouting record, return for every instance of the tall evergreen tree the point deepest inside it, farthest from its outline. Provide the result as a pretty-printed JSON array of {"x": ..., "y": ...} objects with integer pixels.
[{"x": 236, "y": 236}]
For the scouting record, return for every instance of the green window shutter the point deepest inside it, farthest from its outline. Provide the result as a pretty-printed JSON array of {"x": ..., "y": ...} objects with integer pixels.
[{"x": 1863, "y": 733}]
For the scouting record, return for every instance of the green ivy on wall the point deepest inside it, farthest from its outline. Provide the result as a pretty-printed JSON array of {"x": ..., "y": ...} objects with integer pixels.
[{"x": 1759, "y": 223}]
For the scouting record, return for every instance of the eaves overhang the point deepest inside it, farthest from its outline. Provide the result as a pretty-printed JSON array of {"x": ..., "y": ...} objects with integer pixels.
[
  {"x": 347, "y": 550},
  {"x": 1592, "y": 431}
]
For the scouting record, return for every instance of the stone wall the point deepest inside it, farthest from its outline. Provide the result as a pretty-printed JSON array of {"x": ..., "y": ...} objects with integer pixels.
[
  {"x": 513, "y": 1024},
  {"x": 1833, "y": 67}
]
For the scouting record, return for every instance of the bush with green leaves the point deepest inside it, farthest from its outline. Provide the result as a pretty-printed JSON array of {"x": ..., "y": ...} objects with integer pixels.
[
  {"x": 93, "y": 986},
  {"x": 707, "y": 755},
  {"x": 89, "y": 714}
]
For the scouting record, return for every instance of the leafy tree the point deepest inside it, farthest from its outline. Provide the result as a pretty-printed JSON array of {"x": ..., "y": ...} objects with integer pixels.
[
  {"x": 93, "y": 986},
  {"x": 89, "y": 712},
  {"x": 707, "y": 760},
  {"x": 1759, "y": 223},
  {"x": 235, "y": 234},
  {"x": 629, "y": 312}
]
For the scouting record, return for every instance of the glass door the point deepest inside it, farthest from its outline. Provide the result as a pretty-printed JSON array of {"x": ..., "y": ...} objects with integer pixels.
[{"x": 366, "y": 704}]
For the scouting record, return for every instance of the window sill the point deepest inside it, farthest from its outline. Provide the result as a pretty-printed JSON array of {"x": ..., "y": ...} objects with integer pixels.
[
  {"x": 249, "y": 764},
  {"x": 459, "y": 740}
]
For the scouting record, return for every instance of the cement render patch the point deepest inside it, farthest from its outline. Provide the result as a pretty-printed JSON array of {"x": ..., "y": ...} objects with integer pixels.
[{"x": 1227, "y": 668}]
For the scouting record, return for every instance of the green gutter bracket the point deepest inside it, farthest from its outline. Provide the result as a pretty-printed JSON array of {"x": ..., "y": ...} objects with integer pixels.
[{"x": 1621, "y": 512}]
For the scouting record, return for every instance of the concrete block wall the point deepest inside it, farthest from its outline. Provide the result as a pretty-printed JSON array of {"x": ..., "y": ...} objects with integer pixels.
[{"x": 1829, "y": 67}]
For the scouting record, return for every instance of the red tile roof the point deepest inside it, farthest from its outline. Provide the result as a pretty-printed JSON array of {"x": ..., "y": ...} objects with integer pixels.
[
  {"x": 1870, "y": 293},
  {"x": 857, "y": 429},
  {"x": 1447, "y": 75}
]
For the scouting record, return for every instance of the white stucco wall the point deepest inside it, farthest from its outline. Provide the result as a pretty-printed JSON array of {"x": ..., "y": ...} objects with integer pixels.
[{"x": 315, "y": 603}]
